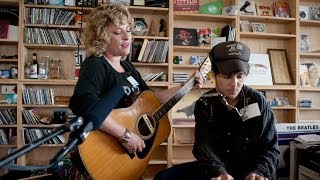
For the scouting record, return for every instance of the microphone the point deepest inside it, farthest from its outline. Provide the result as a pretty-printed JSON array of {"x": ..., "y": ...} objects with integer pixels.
[
  {"x": 79, "y": 131},
  {"x": 246, "y": 4}
]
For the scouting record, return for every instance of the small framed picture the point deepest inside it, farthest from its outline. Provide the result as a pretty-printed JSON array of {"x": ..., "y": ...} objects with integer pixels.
[
  {"x": 245, "y": 26},
  {"x": 259, "y": 27}
]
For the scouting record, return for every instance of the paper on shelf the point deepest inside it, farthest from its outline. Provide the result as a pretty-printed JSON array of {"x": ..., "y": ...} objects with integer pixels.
[{"x": 308, "y": 139}]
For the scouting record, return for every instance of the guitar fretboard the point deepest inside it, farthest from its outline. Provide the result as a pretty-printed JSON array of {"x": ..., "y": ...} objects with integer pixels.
[{"x": 164, "y": 108}]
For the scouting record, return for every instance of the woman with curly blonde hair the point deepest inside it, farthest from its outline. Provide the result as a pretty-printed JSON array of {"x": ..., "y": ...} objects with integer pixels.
[
  {"x": 108, "y": 39},
  {"x": 96, "y": 37}
]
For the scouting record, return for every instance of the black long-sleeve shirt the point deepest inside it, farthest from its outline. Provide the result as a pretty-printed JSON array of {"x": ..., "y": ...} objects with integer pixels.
[
  {"x": 97, "y": 78},
  {"x": 227, "y": 144}
]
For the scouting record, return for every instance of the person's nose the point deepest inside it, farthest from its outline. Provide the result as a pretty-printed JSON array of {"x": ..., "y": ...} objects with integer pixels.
[
  {"x": 126, "y": 35},
  {"x": 233, "y": 81}
]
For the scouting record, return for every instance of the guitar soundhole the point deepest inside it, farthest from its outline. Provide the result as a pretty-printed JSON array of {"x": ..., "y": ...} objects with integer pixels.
[{"x": 146, "y": 126}]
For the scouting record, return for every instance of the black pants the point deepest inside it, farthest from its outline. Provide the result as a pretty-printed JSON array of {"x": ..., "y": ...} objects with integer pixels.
[{"x": 186, "y": 171}]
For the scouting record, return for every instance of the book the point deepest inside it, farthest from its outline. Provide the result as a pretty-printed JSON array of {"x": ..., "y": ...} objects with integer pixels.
[
  {"x": 4, "y": 28},
  {"x": 264, "y": 9},
  {"x": 314, "y": 13},
  {"x": 304, "y": 12},
  {"x": 143, "y": 48},
  {"x": 281, "y": 9},
  {"x": 204, "y": 36},
  {"x": 314, "y": 75},
  {"x": 304, "y": 42},
  {"x": 186, "y": 6},
  {"x": 185, "y": 37},
  {"x": 247, "y": 7},
  {"x": 304, "y": 75}
]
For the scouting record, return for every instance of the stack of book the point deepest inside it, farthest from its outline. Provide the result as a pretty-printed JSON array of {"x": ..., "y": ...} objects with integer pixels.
[
  {"x": 179, "y": 77},
  {"x": 308, "y": 139},
  {"x": 151, "y": 76}
]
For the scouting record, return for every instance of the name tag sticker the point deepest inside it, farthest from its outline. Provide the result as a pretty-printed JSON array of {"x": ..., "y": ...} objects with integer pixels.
[
  {"x": 132, "y": 81},
  {"x": 250, "y": 111}
]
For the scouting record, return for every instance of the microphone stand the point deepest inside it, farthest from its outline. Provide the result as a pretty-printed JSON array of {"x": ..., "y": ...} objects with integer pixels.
[{"x": 78, "y": 132}]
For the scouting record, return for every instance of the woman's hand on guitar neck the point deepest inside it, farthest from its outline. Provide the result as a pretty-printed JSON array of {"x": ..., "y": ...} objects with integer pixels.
[{"x": 132, "y": 142}]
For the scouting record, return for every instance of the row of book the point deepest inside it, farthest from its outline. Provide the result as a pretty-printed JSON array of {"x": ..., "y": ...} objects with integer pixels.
[
  {"x": 32, "y": 134},
  {"x": 151, "y": 76},
  {"x": 30, "y": 116},
  {"x": 8, "y": 136},
  {"x": 3, "y": 138},
  {"x": 37, "y": 96},
  {"x": 48, "y": 16},
  {"x": 51, "y": 36},
  {"x": 7, "y": 116},
  {"x": 151, "y": 51}
]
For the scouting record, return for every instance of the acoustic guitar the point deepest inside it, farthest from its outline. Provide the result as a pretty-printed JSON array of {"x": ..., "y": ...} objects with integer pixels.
[{"x": 105, "y": 158}]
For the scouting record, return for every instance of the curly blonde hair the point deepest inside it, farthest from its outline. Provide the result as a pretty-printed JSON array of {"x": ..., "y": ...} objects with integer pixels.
[{"x": 96, "y": 38}]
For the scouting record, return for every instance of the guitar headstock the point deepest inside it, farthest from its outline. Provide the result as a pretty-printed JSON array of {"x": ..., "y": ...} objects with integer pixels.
[{"x": 205, "y": 67}]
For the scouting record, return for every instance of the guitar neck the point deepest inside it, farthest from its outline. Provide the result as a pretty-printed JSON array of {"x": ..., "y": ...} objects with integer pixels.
[{"x": 164, "y": 108}]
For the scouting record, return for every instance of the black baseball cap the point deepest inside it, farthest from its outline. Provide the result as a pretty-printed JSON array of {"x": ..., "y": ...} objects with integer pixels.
[{"x": 230, "y": 56}]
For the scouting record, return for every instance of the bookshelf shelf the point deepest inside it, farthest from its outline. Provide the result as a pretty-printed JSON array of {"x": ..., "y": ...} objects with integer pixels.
[
  {"x": 310, "y": 54},
  {"x": 267, "y": 35},
  {"x": 150, "y": 64},
  {"x": 148, "y": 10},
  {"x": 204, "y": 17},
  {"x": 179, "y": 161},
  {"x": 157, "y": 162},
  {"x": 191, "y": 48},
  {"x": 185, "y": 66},
  {"x": 312, "y": 89},
  {"x": 46, "y": 106},
  {"x": 310, "y": 109},
  {"x": 42, "y": 126},
  {"x": 268, "y": 19},
  {"x": 53, "y": 26},
  {"x": 8, "y": 126},
  {"x": 8, "y": 105},
  {"x": 7, "y": 146},
  {"x": 151, "y": 37},
  {"x": 284, "y": 107},
  {"x": 8, "y": 42},
  {"x": 9, "y": 81},
  {"x": 50, "y": 82},
  {"x": 9, "y": 60},
  {"x": 275, "y": 87},
  {"x": 310, "y": 23},
  {"x": 84, "y": 9},
  {"x": 52, "y": 46},
  {"x": 157, "y": 84}
]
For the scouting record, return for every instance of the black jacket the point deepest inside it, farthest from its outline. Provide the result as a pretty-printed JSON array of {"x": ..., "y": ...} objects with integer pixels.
[{"x": 225, "y": 143}]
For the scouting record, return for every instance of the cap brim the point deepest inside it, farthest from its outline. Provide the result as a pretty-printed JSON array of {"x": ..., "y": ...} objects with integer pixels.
[{"x": 232, "y": 65}]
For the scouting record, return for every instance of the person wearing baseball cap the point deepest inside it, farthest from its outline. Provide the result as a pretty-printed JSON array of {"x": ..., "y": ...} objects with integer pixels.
[{"x": 235, "y": 134}]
